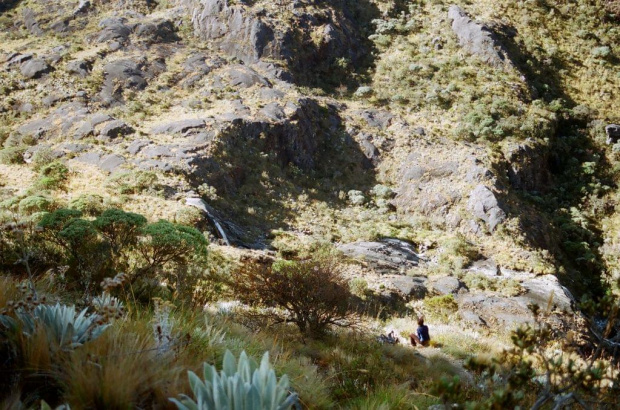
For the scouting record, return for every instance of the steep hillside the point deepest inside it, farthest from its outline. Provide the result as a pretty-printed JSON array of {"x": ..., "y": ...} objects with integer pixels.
[{"x": 460, "y": 159}]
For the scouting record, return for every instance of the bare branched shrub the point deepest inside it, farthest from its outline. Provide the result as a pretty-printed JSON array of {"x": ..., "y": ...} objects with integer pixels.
[{"x": 312, "y": 294}]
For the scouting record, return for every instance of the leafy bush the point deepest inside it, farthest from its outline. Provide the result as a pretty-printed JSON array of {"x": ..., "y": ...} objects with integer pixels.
[
  {"x": 12, "y": 155},
  {"x": 34, "y": 203},
  {"x": 165, "y": 242},
  {"x": 441, "y": 306},
  {"x": 240, "y": 385},
  {"x": 312, "y": 294},
  {"x": 119, "y": 227},
  {"x": 133, "y": 182},
  {"x": 119, "y": 241},
  {"x": 53, "y": 176}
]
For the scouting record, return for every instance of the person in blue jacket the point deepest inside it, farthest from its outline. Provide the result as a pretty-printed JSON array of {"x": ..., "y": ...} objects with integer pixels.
[{"x": 421, "y": 336}]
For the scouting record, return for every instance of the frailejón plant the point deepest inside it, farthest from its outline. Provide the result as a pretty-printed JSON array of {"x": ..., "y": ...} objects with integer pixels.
[{"x": 239, "y": 386}]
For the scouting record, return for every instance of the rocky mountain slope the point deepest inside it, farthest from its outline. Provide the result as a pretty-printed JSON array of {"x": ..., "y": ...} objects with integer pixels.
[{"x": 463, "y": 149}]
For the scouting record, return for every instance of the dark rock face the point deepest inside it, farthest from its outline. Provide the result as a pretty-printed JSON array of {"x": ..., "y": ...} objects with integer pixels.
[
  {"x": 120, "y": 75},
  {"x": 248, "y": 35},
  {"x": 484, "y": 205},
  {"x": 528, "y": 166},
  {"x": 158, "y": 31},
  {"x": 113, "y": 29},
  {"x": 386, "y": 256},
  {"x": 613, "y": 133},
  {"x": 35, "y": 68},
  {"x": 238, "y": 33},
  {"x": 477, "y": 39},
  {"x": 79, "y": 67}
]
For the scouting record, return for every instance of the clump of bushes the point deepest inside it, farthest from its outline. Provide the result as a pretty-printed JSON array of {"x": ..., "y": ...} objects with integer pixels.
[
  {"x": 441, "y": 307},
  {"x": 53, "y": 176},
  {"x": 115, "y": 241},
  {"x": 12, "y": 155},
  {"x": 313, "y": 294},
  {"x": 133, "y": 182}
]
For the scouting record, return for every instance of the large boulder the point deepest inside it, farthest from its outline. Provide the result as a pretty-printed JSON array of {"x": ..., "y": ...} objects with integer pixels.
[
  {"x": 408, "y": 286},
  {"x": 484, "y": 205},
  {"x": 113, "y": 29},
  {"x": 35, "y": 68},
  {"x": 310, "y": 41},
  {"x": 446, "y": 285},
  {"x": 120, "y": 75},
  {"x": 385, "y": 256},
  {"x": 156, "y": 31},
  {"x": 477, "y": 38}
]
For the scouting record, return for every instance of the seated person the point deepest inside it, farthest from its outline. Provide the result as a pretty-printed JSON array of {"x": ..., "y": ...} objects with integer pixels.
[{"x": 422, "y": 337}]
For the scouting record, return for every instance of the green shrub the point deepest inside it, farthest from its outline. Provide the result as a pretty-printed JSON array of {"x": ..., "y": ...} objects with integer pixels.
[
  {"x": 133, "y": 182},
  {"x": 89, "y": 204},
  {"x": 12, "y": 155},
  {"x": 34, "y": 203},
  {"x": 313, "y": 294},
  {"x": 239, "y": 386},
  {"x": 53, "y": 176},
  {"x": 441, "y": 307},
  {"x": 119, "y": 227},
  {"x": 165, "y": 242}
]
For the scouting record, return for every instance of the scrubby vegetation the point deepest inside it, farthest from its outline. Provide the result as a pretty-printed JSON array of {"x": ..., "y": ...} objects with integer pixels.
[{"x": 179, "y": 201}]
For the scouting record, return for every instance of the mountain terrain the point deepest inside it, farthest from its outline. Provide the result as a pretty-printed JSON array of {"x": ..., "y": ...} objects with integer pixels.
[{"x": 456, "y": 160}]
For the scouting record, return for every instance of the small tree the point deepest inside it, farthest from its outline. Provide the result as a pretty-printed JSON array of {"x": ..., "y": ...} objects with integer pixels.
[
  {"x": 164, "y": 242},
  {"x": 120, "y": 228},
  {"x": 312, "y": 294}
]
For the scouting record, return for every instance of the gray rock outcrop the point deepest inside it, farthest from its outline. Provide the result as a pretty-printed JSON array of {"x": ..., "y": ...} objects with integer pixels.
[
  {"x": 408, "y": 286},
  {"x": 31, "y": 22},
  {"x": 35, "y": 68},
  {"x": 477, "y": 38},
  {"x": 238, "y": 33},
  {"x": 385, "y": 256},
  {"x": 484, "y": 205},
  {"x": 120, "y": 75}
]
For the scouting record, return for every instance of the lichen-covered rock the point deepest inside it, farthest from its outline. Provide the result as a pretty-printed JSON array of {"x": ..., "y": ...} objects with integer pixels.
[
  {"x": 113, "y": 29},
  {"x": 409, "y": 286},
  {"x": 79, "y": 67},
  {"x": 446, "y": 285},
  {"x": 240, "y": 34}
]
